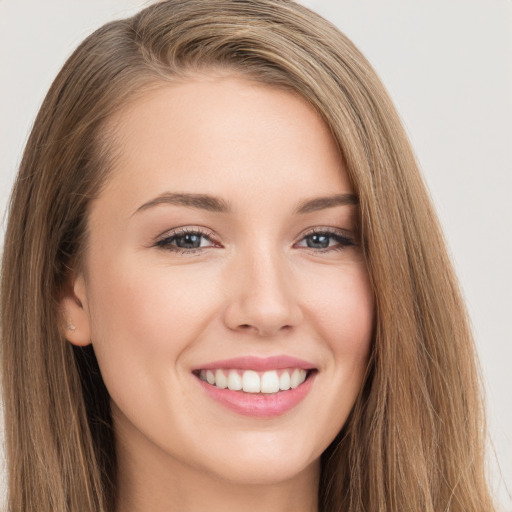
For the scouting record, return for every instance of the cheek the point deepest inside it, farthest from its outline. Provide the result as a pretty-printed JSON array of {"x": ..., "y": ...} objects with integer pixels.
[
  {"x": 144, "y": 319},
  {"x": 341, "y": 303},
  {"x": 146, "y": 315}
]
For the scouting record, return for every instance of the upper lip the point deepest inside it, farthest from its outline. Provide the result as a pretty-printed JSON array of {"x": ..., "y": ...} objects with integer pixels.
[{"x": 279, "y": 362}]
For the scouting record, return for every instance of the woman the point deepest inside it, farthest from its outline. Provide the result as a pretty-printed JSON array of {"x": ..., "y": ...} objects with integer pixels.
[{"x": 224, "y": 285}]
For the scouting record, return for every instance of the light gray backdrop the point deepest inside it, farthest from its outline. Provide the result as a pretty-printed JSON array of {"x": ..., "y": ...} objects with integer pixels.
[{"x": 448, "y": 67}]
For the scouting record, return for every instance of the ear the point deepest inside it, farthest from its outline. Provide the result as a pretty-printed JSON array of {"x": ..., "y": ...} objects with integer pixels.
[{"x": 75, "y": 320}]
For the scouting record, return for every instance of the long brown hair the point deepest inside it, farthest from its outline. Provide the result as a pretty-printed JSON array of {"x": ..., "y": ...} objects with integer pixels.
[{"x": 414, "y": 440}]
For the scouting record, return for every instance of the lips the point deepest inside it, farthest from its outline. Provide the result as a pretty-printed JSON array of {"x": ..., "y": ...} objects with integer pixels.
[
  {"x": 258, "y": 387},
  {"x": 259, "y": 364}
]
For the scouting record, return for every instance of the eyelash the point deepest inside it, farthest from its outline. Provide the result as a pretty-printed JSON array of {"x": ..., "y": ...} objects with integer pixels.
[
  {"x": 338, "y": 235},
  {"x": 166, "y": 242}
]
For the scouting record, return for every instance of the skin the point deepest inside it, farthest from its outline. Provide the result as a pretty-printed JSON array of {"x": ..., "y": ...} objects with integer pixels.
[{"x": 256, "y": 287}]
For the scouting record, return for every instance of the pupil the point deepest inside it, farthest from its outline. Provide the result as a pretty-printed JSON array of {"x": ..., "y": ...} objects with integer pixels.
[
  {"x": 318, "y": 241},
  {"x": 189, "y": 241}
]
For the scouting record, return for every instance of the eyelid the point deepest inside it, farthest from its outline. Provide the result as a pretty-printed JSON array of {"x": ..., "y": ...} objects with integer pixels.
[
  {"x": 182, "y": 231},
  {"x": 349, "y": 238},
  {"x": 322, "y": 230}
]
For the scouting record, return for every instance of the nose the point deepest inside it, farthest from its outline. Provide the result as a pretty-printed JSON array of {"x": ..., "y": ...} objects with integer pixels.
[{"x": 262, "y": 298}]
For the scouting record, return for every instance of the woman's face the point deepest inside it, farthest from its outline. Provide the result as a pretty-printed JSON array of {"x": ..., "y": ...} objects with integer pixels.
[{"x": 224, "y": 247}]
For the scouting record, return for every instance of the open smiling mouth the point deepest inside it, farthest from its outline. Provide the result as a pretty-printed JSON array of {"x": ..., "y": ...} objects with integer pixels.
[
  {"x": 251, "y": 381},
  {"x": 259, "y": 394}
]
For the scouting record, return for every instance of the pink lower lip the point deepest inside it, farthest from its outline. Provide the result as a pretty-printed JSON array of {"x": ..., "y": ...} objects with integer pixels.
[{"x": 259, "y": 405}]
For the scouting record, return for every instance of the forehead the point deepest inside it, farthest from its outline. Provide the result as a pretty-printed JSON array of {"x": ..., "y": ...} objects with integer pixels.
[{"x": 217, "y": 134}]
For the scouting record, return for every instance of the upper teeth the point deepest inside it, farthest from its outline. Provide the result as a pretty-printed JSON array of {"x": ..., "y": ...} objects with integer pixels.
[{"x": 255, "y": 382}]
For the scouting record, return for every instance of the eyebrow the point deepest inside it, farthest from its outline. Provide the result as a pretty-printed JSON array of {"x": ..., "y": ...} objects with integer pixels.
[
  {"x": 219, "y": 205},
  {"x": 321, "y": 203},
  {"x": 199, "y": 201}
]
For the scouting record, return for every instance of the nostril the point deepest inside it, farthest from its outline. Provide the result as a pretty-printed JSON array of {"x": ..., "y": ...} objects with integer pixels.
[{"x": 264, "y": 331}]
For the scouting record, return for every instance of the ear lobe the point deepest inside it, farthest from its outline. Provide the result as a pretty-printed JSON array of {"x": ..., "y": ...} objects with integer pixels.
[{"x": 75, "y": 321}]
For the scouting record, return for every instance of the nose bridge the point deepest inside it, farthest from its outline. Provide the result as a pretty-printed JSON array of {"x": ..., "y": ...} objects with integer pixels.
[{"x": 263, "y": 298}]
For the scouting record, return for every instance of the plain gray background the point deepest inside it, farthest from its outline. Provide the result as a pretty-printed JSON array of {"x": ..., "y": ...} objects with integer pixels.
[{"x": 447, "y": 65}]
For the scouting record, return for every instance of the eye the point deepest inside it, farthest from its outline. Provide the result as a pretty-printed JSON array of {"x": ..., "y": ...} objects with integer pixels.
[
  {"x": 186, "y": 240},
  {"x": 326, "y": 239}
]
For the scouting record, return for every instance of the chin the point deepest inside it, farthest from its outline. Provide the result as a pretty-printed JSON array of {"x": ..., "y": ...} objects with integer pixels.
[
  {"x": 266, "y": 460},
  {"x": 265, "y": 473}
]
